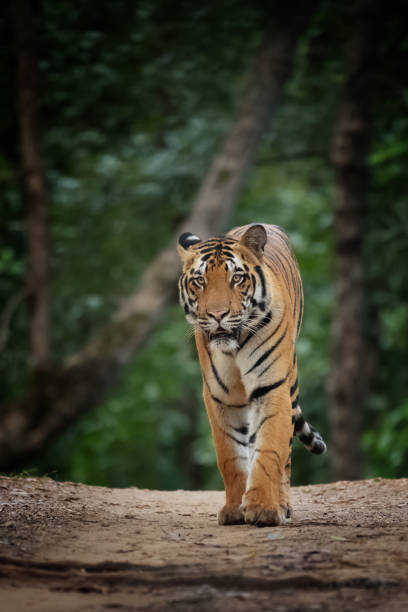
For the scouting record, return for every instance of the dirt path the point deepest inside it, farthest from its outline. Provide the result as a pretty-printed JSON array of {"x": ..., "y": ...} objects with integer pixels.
[{"x": 72, "y": 547}]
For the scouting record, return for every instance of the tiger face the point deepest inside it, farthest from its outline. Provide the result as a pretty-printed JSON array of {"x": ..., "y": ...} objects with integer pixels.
[{"x": 222, "y": 287}]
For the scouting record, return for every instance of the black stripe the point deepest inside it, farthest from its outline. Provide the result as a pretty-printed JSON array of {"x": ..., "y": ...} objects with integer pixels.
[
  {"x": 261, "y": 275},
  {"x": 283, "y": 267},
  {"x": 307, "y": 438},
  {"x": 268, "y": 338},
  {"x": 270, "y": 266},
  {"x": 295, "y": 401},
  {"x": 267, "y": 367},
  {"x": 265, "y": 321},
  {"x": 235, "y": 439},
  {"x": 242, "y": 430},
  {"x": 218, "y": 401},
  {"x": 294, "y": 387},
  {"x": 277, "y": 268},
  {"x": 207, "y": 250},
  {"x": 299, "y": 424},
  {"x": 253, "y": 436},
  {"x": 217, "y": 377},
  {"x": 266, "y": 353},
  {"x": 261, "y": 391},
  {"x": 216, "y": 398},
  {"x": 249, "y": 336},
  {"x": 210, "y": 241}
]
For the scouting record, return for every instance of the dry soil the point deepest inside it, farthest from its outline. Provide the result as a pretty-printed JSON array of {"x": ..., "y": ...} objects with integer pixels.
[{"x": 66, "y": 546}]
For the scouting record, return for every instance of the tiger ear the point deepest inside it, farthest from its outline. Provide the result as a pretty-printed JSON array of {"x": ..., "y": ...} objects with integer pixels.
[
  {"x": 254, "y": 239},
  {"x": 185, "y": 241}
]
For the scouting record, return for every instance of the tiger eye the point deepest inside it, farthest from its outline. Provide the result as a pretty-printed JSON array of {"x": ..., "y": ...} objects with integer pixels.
[
  {"x": 236, "y": 278},
  {"x": 200, "y": 280}
]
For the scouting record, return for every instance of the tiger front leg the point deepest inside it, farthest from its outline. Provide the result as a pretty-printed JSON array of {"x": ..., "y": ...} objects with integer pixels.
[
  {"x": 232, "y": 463},
  {"x": 285, "y": 488},
  {"x": 267, "y": 497},
  {"x": 235, "y": 481}
]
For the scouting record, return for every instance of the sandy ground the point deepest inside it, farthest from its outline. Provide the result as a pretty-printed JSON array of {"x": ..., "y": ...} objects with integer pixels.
[{"x": 65, "y": 547}]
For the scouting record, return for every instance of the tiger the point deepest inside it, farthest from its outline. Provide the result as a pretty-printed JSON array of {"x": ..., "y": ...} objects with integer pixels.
[{"x": 242, "y": 293}]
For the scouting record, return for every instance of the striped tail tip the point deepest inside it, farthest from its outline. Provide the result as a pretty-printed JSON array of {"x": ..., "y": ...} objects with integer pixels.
[
  {"x": 307, "y": 434},
  {"x": 318, "y": 445},
  {"x": 314, "y": 442}
]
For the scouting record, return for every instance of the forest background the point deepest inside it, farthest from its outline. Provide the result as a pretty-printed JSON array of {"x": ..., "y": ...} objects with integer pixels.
[{"x": 134, "y": 101}]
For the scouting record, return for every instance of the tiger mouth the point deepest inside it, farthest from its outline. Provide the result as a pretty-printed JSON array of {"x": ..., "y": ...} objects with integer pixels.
[{"x": 223, "y": 334}]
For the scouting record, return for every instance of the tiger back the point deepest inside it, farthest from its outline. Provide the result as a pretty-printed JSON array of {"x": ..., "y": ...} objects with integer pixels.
[{"x": 243, "y": 294}]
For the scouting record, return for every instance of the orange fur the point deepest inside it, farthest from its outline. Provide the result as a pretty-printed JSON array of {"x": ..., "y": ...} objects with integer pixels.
[{"x": 248, "y": 361}]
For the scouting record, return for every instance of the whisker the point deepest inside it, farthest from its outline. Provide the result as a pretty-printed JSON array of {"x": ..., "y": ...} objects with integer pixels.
[
  {"x": 248, "y": 327},
  {"x": 190, "y": 331}
]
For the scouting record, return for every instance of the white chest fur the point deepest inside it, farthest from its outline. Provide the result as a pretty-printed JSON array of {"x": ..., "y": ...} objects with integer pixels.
[{"x": 225, "y": 377}]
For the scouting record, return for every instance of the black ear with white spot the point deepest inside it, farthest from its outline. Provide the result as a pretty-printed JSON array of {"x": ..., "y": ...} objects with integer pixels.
[
  {"x": 187, "y": 239},
  {"x": 255, "y": 239}
]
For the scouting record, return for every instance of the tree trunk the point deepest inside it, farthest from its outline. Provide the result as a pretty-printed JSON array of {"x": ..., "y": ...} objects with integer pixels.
[
  {"x": 60, "y": 395},
  {"x": 33, "y": 181},
  {"x": 350, "y": 370}
]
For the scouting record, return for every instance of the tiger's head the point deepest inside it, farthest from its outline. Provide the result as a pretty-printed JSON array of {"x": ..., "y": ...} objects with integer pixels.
[{"x": 222, "y": 286}]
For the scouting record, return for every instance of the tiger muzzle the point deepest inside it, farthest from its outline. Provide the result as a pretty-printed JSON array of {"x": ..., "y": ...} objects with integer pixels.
[{"x": 223, "y": 334}]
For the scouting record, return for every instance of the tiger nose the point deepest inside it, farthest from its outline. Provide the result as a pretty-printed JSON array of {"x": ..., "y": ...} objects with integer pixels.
[{"x": 218, "y": 314}]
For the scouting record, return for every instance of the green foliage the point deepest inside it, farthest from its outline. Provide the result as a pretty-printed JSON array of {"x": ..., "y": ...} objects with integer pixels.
[
  {"x": 135, "y": 99},
  {"x": 385, "y": 440},
  {"x": 152, "y": 432},
  {"x": 387, "y": 443}
]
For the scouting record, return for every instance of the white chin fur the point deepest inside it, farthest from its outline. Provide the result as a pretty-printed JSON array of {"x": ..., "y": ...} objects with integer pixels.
[{"x": 224, "y": 343}]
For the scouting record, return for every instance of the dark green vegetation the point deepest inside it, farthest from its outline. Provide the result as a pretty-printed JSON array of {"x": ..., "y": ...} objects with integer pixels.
[{"x": 135, "y": 99}]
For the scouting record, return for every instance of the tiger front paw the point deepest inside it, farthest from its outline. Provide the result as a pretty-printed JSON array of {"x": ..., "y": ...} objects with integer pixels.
[
  {"x": 231, "y": 515},
  {"x": 258, "y": 515}
]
